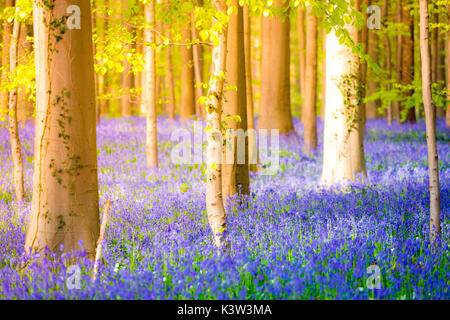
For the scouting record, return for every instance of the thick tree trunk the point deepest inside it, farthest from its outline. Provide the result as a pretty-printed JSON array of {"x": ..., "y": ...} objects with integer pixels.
[
  {"x": 253, "y": 158},
  {"x": 430, "y": 121},
  {"x": 214, "y": 201},
  {"x": 64, "y": 209},
  {"x": 149, "y": 92},
  {"x": 187, "y": 106},
  {"x": 13, "y": 124},
  {"x": 301, "y": 49},
  {"x": 309, "y": 106},
  {"x": 275, "y": 111},
  {"x": 407, "y": 67},
  {"x": 7, "y": 30},
  {"x": 235, "y": 177},
  {"x": 343, "y": 149}
]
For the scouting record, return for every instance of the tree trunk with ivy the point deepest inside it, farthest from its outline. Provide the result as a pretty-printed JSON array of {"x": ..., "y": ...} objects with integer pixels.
[
  {"x": 214, "y": 200},
  {"x": 235, "y": 172},
  {"x": 16, "y": 152},
  {"x": 65, "y": 210},
  {"x": 343, "y": 148},
  {"x": 275, "y": 110}
]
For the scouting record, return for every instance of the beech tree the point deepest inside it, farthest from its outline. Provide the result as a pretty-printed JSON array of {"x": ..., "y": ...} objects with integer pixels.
[
  {"x": 309, "y": 105},
  {"x": 407, "y": 58},
  {"x": 430, "y": 122},
  {"x": 214, "y": 200},
  {"x": 343, "y": 156},
  {"x": 149, "y": 88},
  {"x": 275, "y": 110},
  {"x": 235, "y": 164},
  {"x": 187, "y": 105},
  {"x": 12, "y": 115},
  {"x": 65, "y": 189}
]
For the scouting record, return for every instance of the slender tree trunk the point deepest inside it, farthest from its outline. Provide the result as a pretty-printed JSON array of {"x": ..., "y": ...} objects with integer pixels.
[
  {"x": 197, "y": 51},
  {"x": 64, "y": 211},
  {"x": 214, "y": 201},
  {"x": 430, "y": 121},
  {"x": 301, "y": 49},
  {"x": 398, "y": 65},
  {"x": 13, "y": 124},
  {"x": 309, "y": 106},
  {"x": 169, "y": 78},
  {"x": 363, "y": 35},
  {"x": 187, "y": 107},
  {"x": 407, "y": 68},
  {"x": 127, "y": 77},
  {"x": 252, "y": 142},
  {"x": 235, "y": 177},
  {"x": 343, "y": 149},
  {"x": 149, "y": 92},
  {"x": 440, "y": 66},
  {"x": 372, "y": 85},
  {"x": 24, "y": 106},
  {"x": 324, "y": 73},
  {"x": 447, "y": 50},
  {"x": 7, "y": 30},
  {"x": 388, "y": 64},
  {"x": 275, "y": 111}
]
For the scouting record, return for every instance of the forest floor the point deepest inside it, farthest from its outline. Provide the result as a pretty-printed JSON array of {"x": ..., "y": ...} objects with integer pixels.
[{"x": 294, "y": 239}]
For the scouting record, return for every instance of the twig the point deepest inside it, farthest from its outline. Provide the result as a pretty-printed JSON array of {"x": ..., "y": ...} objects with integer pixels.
[{"x": 98, "y": 253}]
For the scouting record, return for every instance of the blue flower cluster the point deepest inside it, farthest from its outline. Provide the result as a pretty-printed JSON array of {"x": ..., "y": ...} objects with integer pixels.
[{"x": 292, "y": 239}]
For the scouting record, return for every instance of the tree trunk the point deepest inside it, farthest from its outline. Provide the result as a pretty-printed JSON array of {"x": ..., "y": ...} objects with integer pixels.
[
  {"x": 127, "y": 77},
  {"x": 214, "y": 202},
  {"x": 7, "y": 30},
  {"x": 309, "y": 106},
  {"x": 388, "y": 64},
  {"x": 430, "y": 121},
  {"x": 343, "y": 149},
  {"x": 65, "y": 188},
  {"x": 169, "y": 78},
  {"x": 407, "y": 66},
  {"x": 324, "y": 73},
  {"x": 372, "y": 85},
  {"x": 398, "y": 65},
  {"x": 149, "y": 92},
  {"x": 12, "y": 116},
  {"x": 253, "y": 159},
  {"x": 275, "y": 110},
  {"x": 301, "y": 50},
  {"x": 187, "y": 107},
  {"x": 197, "y": 51},
  {"x": 447, "y": 115},
  {"x": 363, "y": 36},
  {"x": 24, "y": 106},
  {"x": 235, "y": 177}
]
